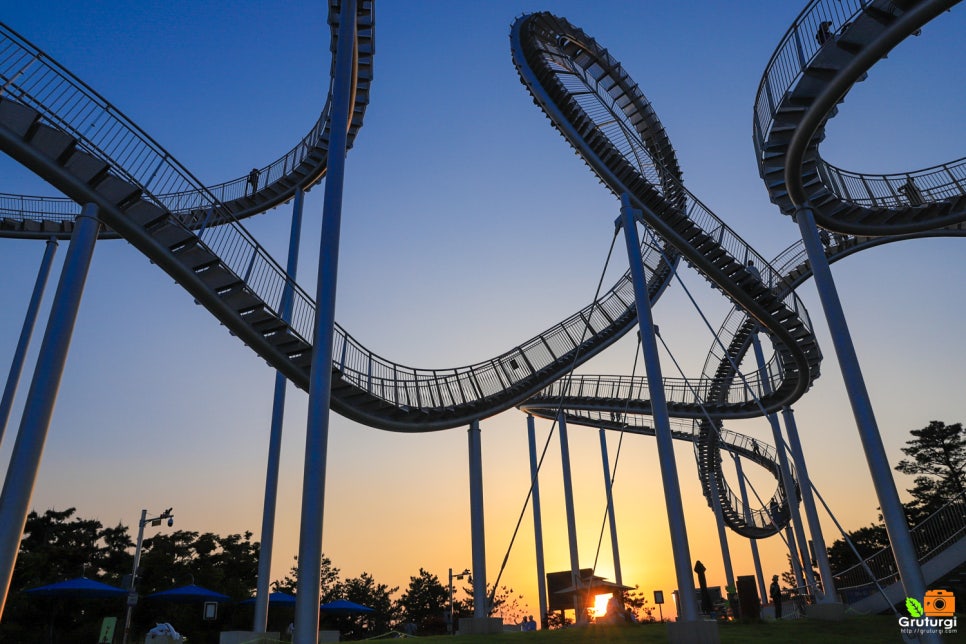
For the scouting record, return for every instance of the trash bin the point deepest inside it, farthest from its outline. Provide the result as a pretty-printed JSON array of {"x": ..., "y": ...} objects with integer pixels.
[{"x": 748, "y": 602}]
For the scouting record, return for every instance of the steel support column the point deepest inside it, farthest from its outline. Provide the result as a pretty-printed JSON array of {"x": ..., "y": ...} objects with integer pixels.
[
  {"x": 478, "y": 536},
  {"x": 29, "y": 446},
  {"x": 537, "y": 522},
  {"x": 797, "y": 544},
  {"x": 756, "y": 558},
  {"x": 828, "y": 594},
  {"x": 20, "y": 353},
  {"x": 662, "y": 425},
  {"x": 913, "y": 582},
  {"x": 722, "y": 533},
  {"x": 608, "y": 489},
  {"x": 320, "y": 378},
  {"x": 260, "y": 623},
  {"x": 568, "y": 486}
]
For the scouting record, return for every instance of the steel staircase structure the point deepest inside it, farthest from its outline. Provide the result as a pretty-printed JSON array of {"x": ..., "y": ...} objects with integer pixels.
[
  {"x": 93, "y": 140},
  {"x": 146, "y": 197},
  {"x": 601, "y": 112},
  {"x": 803, "y": 84}
]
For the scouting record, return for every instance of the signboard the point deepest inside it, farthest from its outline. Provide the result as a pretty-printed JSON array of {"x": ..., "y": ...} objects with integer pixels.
[
  {"x": 211, "y": 611},
  {"x": 658, "y": 596},
  {"x": 107, "y": 630}
]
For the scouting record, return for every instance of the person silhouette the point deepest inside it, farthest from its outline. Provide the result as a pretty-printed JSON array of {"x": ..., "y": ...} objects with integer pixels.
[{"x": 775, "y": 592}]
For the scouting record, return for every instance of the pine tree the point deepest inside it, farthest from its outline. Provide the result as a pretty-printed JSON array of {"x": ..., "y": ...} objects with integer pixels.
[{"x": 938, "y": 461}]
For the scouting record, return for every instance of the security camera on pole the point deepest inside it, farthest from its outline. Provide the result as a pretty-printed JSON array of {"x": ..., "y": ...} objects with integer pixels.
[{"x": 132, "y": 595}]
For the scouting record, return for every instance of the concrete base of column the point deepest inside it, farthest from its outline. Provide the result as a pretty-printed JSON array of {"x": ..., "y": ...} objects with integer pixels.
[
  {"x": 700, "y": 632},
  {"x": 831, "y": 612},
  {"x": 480, "y": 625}
]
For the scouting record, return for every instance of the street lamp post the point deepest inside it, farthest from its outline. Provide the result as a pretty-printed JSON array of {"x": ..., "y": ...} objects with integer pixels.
[
  {"x": 466, "y": 571},
  {"x": 132, "y": 596}
]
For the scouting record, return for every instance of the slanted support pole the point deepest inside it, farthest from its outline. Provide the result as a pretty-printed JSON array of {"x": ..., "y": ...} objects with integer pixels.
[
  {"x": 756, "y": 558},
  {"x": 320, "y": 377},
  {"x": 20, "y": 353},
  {"x": 722, "y": 533},
  {"x": 904, "y": 550},
  {"x": 662, "y": 424},
  {"x": 260, "y": 623},
  {"x": 537, "y": 523},
  {"x": 568, "y": 485},
  {"x": 799, "y": 553},
  {"x": 611, "y": 518},
  {"x": 39, "y": 406},
  {"x": 828, "y": 594},
  {"x": 480, "y": 608}
]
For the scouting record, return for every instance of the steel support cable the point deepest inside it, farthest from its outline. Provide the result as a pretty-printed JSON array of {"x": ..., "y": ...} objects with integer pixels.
[{"x": 546, "y": 445}]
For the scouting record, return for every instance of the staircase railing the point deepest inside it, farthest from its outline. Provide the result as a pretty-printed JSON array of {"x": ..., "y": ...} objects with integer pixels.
[
  {"x": 793, "y": 55},
  {"x": 944, "y": 181},
  {"x": 940, "y": 530}
]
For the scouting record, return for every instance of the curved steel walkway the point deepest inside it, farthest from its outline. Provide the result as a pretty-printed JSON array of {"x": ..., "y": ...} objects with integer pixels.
[
  {"x": 93, "y": 140},
  {"x": 145, "y": 196}
]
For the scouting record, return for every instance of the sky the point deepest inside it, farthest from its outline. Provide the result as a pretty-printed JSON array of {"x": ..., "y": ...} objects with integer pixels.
[{"x": 469, "y": 226}]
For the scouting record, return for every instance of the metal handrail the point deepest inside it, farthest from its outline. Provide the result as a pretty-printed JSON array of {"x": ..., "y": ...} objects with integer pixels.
[
  {"x": 556, "y": 39},
  {"x": 793, "y": 55},
  {"x": 938, "y": 183},
  {"x": 49, "y": 88},
  {"x": 934, "y": 534}
]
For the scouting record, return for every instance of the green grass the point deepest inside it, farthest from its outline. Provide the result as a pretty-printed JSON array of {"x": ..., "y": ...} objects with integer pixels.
[{"x": 856, "y": 630}]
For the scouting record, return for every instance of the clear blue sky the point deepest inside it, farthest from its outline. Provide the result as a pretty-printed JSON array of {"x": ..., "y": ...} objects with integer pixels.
[{"x": 468, "y": 227}]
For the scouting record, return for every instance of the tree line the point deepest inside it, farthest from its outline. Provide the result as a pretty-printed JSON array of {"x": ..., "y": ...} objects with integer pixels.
[{"x": 58, "y": 545}]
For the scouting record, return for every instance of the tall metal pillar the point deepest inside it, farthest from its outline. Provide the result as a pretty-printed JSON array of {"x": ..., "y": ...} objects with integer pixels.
[
  {"x": 803, "y": 572},
  {"x": 722, "y": 533},
  {"x": 828, "y": 594},
  {"x": 762, "y": 588},
  {"x": 913, "y": 582},
  {"x": 537, "y": 523},
  {"x": 608, "y": 488},
  {"x": 568, "y": 485},
  {"x": 662, "y": 424},
  {"x": 320, "y": 378},
  {"x": 20, "y": 353},
  {"x": 29, "y": 446},
  {"x": 260, "y": 623},
  {"x": 480, "y": 608}
]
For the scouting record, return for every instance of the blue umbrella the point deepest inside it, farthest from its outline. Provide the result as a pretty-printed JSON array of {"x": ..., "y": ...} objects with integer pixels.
[
  {"x": 189, "y": 594},
  {"x": 79, "y": 588},
  {"x": 275, "y": 599},
  {"x": 344, "y": 607}
]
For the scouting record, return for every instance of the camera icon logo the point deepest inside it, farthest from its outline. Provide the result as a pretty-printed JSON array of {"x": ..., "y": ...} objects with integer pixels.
[{"x": 939, "y": 603}]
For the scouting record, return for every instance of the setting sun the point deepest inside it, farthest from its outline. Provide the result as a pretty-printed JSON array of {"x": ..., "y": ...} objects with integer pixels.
[{"x": 600, "y": 604}]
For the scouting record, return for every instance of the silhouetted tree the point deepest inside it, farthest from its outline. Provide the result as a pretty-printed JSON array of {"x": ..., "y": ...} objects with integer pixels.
[
  {"x": 330, "y": 584},
  {"x": 57, "y": 546},
  {"x": 425, "y": 603},
  {"x": 938, "y": 461}
]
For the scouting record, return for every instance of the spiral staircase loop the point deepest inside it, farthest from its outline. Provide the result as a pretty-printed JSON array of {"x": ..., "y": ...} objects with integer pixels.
[{"x": 808, "y": 76}]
